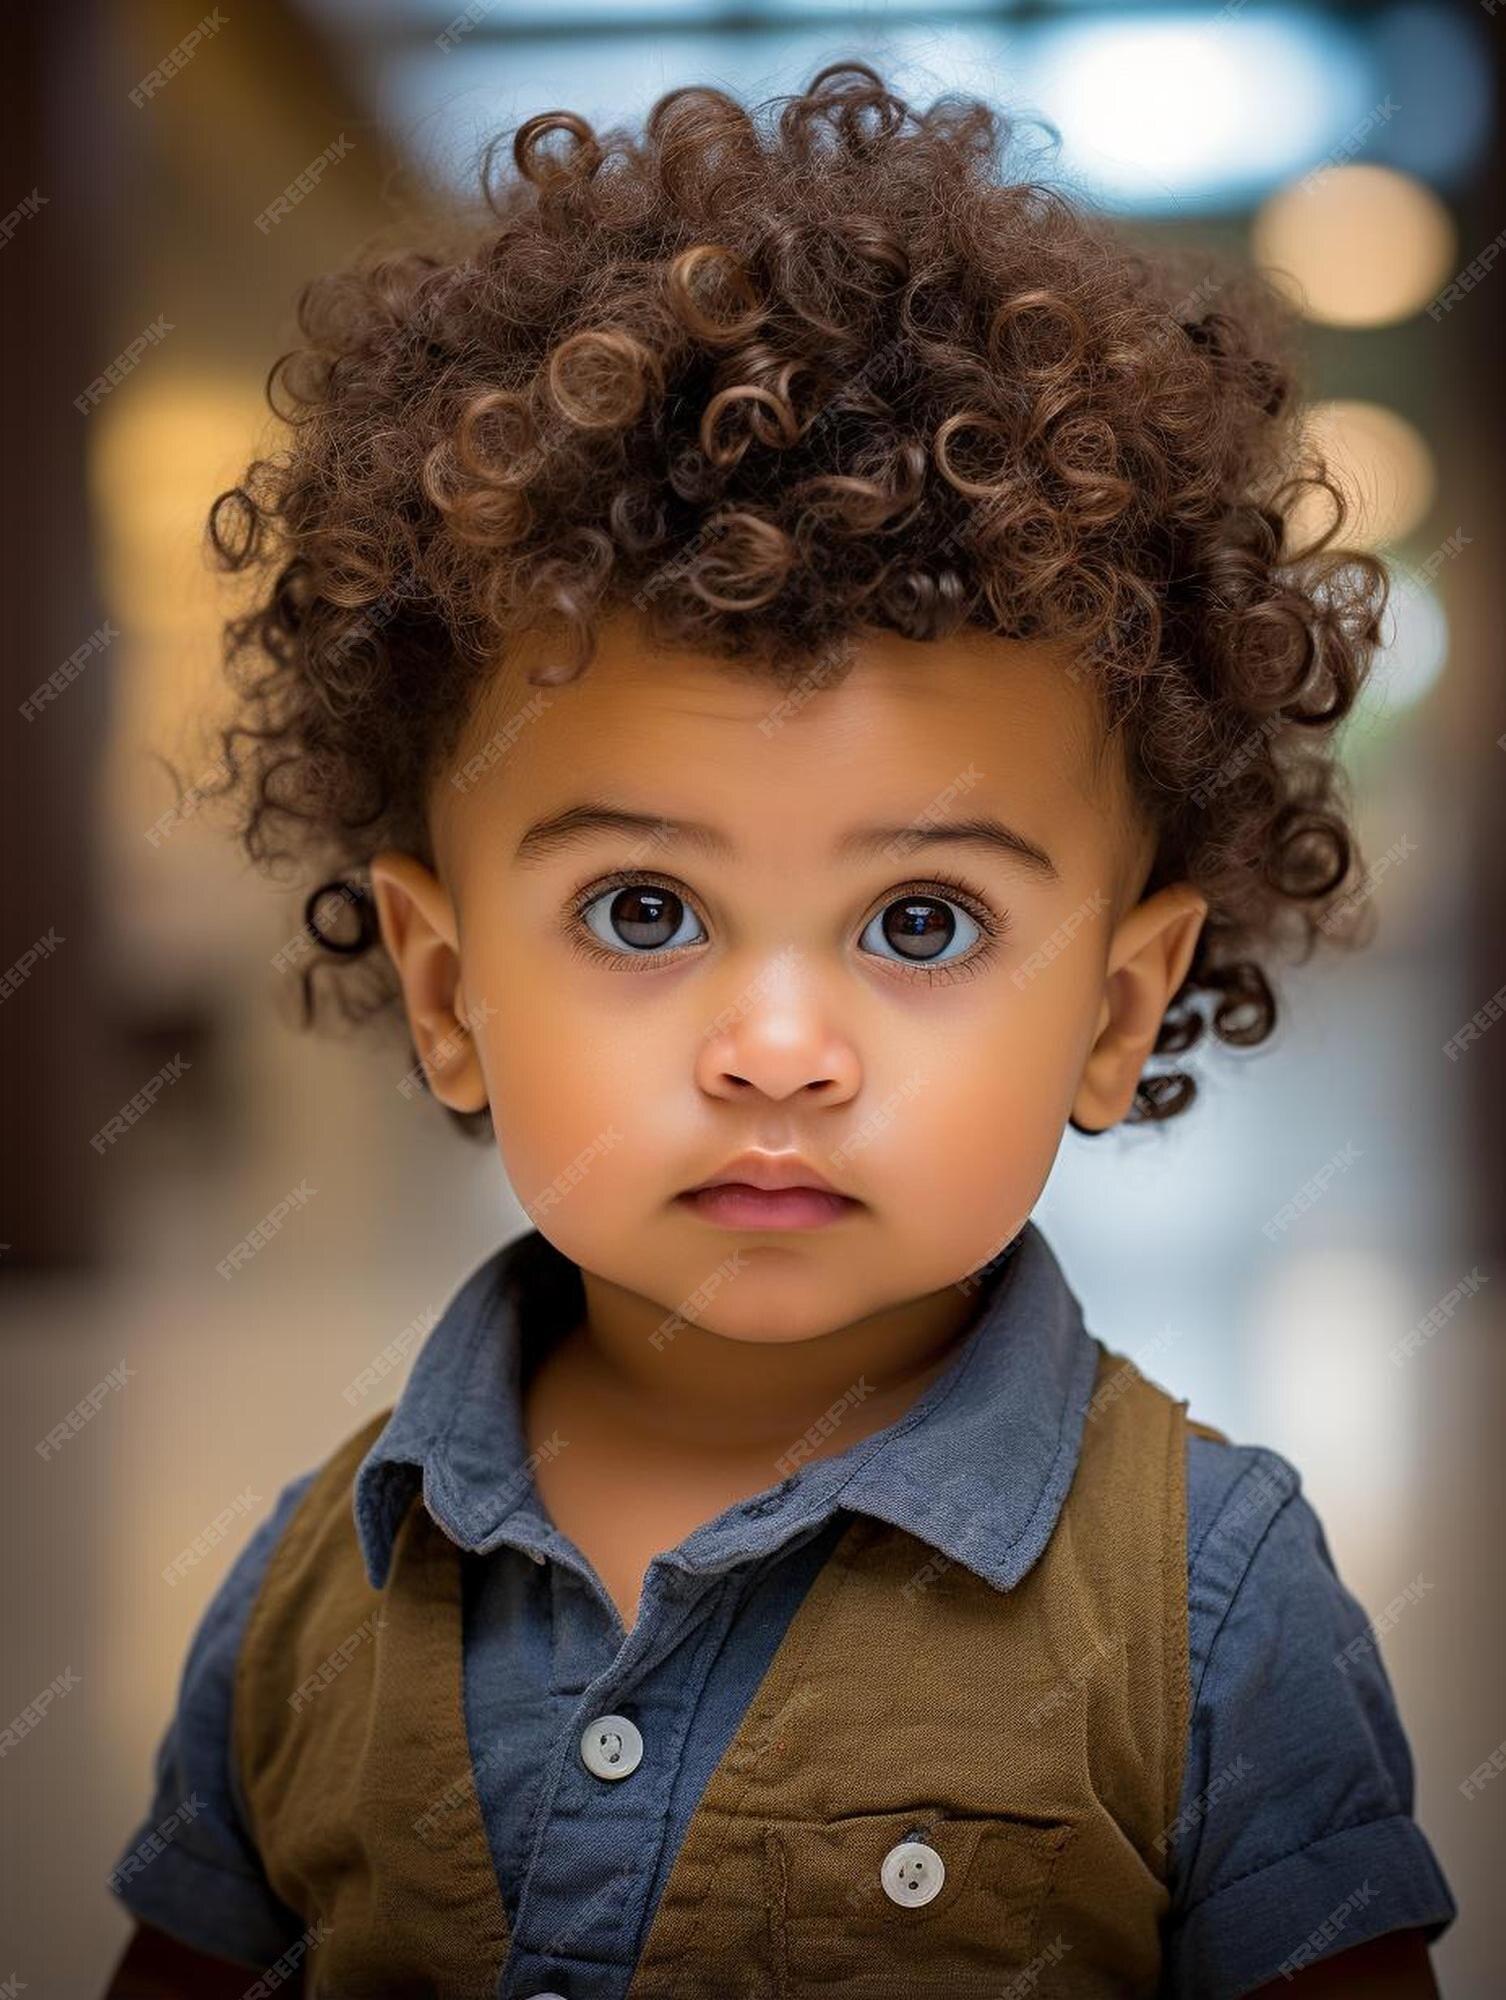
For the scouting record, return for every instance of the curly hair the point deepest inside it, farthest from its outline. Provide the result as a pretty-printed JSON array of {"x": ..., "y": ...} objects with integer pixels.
[{"x": 772, "y": 377}]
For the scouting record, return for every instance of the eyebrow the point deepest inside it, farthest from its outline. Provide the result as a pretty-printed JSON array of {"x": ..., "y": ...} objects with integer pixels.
[{"x": 564, "y": 829}]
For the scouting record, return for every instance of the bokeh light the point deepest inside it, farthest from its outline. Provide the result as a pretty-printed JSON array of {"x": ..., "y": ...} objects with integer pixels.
[
  {"x": 1356, "y": 245},
  {"x": 1382, "y": 466},
  {"x": 1414, "y": 643}
]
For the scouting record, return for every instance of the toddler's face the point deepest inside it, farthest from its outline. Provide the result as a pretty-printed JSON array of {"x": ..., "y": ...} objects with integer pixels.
[{"x": 916, "y": 1018}]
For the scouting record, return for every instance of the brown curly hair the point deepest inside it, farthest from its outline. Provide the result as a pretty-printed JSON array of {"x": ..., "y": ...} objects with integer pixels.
[{"x": 771, "y": 380}]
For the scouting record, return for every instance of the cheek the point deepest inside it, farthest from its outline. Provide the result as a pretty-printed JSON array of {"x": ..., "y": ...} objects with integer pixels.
[
  {"x": 977, "y": 1139},
  {"x": 582, "y": 1099}
]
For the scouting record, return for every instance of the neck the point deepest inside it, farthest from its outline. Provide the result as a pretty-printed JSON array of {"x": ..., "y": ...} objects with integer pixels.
[{"x": 703, "y": 1393}]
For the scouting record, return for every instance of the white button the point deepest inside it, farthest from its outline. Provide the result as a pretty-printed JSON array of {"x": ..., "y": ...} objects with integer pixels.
[
  {"x": 611, "y": 1746},
  {"x": 912, "y": 1873}
]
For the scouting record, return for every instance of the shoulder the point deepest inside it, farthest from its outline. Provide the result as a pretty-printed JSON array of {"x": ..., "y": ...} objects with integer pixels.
[
  {"x": 313, "y": 1599},
  {"x": 190, "y": 1867},
  {"x": 1298, "y": 1773}
]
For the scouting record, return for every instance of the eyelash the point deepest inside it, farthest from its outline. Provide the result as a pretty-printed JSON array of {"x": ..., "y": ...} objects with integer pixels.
[{"x": 948, "y": 887}]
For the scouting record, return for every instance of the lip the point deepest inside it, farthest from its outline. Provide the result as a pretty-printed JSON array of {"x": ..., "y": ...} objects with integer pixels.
[
  {"x": 773, "y": 1173},
  {"x": 768, "y": 1191}
]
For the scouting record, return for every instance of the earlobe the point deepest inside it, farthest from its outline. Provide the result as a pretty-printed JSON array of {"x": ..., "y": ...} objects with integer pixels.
[
  {"x": 1148, "y": 960},
  {"x": 420, "y": 932}
]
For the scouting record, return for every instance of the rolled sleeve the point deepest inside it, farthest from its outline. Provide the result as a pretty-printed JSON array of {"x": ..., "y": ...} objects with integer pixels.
[
  {"x": 1345, "y": 1888},
  {"x": 191, "y": 1867},
  {"x": 1295, "y": 1838}
]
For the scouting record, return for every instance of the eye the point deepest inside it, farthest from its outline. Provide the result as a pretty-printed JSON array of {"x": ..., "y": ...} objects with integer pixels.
[
  {"x": 640, "y": 917},
  {"x": 921, "y": 928}
]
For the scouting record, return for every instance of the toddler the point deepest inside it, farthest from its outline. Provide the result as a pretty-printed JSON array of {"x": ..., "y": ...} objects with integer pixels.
[{"x": 790, "y": 653}]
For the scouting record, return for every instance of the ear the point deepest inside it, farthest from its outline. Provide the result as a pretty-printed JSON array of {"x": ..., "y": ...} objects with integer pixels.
[
  {"x": 1148, "y": 960},
  {"x": 420, "y": 932}
]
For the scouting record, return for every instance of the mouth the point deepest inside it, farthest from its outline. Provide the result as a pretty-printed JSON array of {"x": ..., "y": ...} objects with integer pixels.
[{"x": 765, "y": 1192}]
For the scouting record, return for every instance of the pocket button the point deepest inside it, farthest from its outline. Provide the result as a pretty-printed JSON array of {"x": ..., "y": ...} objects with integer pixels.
[{"x": 912, "y": 1873}]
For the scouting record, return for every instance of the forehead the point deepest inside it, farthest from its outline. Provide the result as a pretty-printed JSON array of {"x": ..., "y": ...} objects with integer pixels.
[{"x": 973, "y": 724}]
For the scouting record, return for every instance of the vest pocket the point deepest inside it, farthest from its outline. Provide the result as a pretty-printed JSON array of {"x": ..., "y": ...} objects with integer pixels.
[{"x": 836, "y": 1930}]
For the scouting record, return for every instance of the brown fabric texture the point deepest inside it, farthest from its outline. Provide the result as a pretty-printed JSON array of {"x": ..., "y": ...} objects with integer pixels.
[
  {"x": 1034, "y": 1737},
  {"x": 359, "y": 1785}
]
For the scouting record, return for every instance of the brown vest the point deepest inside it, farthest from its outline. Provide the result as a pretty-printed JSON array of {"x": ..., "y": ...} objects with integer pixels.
[{"x": 1034, "y": 1737}]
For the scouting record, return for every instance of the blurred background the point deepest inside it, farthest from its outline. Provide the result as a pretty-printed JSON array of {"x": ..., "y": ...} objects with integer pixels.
[{"x": 1314, "y": 1257}]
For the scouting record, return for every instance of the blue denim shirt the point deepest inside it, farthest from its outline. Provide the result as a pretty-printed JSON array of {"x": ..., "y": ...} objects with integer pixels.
[{"x": 1298, "y": 1779}]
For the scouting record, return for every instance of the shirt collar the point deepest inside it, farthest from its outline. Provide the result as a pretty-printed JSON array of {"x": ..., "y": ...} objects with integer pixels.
[{"x": 977, "y": 1467}]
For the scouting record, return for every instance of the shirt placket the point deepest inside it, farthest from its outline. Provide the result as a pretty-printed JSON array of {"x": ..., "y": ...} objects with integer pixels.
[{"x": 604, "y": 1806}]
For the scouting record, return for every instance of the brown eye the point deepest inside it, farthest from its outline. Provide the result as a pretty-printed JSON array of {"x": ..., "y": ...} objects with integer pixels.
[
  {"x": 641, "y": 917},
  {"x": 919, "y": 929}
]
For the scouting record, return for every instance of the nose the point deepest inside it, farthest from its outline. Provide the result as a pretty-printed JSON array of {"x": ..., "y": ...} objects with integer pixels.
[{"x": 779, "y": 1042}]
